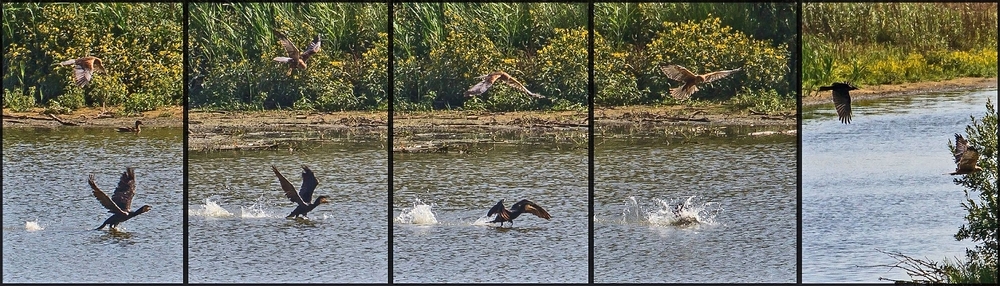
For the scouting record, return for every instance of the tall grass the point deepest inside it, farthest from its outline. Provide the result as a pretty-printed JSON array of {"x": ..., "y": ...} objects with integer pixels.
[
  {"x": 890, "y": 43},
  {"x": 441, "y": 47},
  {"x": 232, "y": 45},
  {"x": 140, "y": 45}
]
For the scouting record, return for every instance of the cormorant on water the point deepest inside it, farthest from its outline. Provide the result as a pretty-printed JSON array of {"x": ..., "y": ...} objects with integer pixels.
[
  {"x": 504, "y": 215},
  {"x": 305, "y": 193},
  {"x": 120, "y": 203}
]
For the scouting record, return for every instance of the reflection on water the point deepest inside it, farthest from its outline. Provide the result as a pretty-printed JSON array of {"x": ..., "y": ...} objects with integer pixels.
[
  {"x": 702, "y": 209},
  {"x": 49, "y": 212},
  {"x": 880, "y": 183},
  {"x": 440, "y": 202},
  {"x": 238, "y": 230}
]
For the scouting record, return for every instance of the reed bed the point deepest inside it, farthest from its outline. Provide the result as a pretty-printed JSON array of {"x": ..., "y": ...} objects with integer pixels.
[
  {"x": 233, "y": 44},
  {"x": 440, "y": 48},
  {"x": 892, "y": 43},
  {"x": 139, "y": 43}
]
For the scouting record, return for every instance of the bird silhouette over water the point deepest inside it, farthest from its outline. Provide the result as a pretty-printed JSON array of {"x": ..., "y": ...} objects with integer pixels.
[
  {"x": 131, "y": 129},
  {"x": 296, "y": 59},
  {"x": 504, "y": 215},
  {"x": 304, "y": 195},
  {"x": 841, "y": 99},
  {"x": 120, "y": 203},
  {"x": 690, "y": 80},
  {"x": 966, "y": 157},
  {"x": 84, "y": 68},
  {"x": 488, "y": 80}
]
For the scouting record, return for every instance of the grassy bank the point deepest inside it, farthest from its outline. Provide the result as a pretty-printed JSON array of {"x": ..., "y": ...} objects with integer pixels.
[
  {"x": 440, "y": 48},
  {"x": 632, "y": 40},
  {"x": 892, "y": 43},
  {"x": 232, "y": 47},
  {"x": 140, "y": 45}
]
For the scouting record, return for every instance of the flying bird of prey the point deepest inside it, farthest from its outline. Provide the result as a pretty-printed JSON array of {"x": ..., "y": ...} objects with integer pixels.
[
  {"x": 84, "y": 68},
  {"x": 690, "y": 80},
  {"x": 120, "y": 203},
  {"x": 504, "y": 215},
  {"x": 305, "y": 193},
  {"x": 966, "y": 157},
  {"x": 489, "y": 79},
  {"x": 841, "y": 99},
  {"x": 296, "y": 59}
]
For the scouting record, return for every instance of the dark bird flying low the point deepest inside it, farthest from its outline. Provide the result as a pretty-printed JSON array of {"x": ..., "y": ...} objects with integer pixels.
[
  {"x": 504, "y": 215},
  {"x": 841, "y": 99},
  {"x": 120, "y": 203},
  {"x": 305, "y": 193},
  {"x": 966, "y": 157}
]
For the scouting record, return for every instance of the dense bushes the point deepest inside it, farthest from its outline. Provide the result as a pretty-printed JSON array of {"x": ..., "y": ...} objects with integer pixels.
[
  {"x": 632, "y": 40},
  {"x": 440, "y": 49},
  {"x": 140, "y": 45},
  {"x": 892, "y": 43},
  {"x": 232, "y": 47}
]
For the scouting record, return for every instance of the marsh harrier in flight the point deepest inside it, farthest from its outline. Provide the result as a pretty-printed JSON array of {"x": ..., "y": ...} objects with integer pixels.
[
  {"x": 296, "y": 59},
  {"x": 690, "y": 80},
  {"x": 489, "y": 79},
  {"x": 966, "y": 157}
]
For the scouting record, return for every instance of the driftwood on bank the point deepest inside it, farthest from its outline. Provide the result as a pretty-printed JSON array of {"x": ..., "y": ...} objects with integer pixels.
[{"x": 56, "y": 118}]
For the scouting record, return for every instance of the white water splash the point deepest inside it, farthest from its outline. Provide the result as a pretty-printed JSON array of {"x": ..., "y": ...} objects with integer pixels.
[
  {"x": 211, "y": 209},
  {"x": 664, "y": 213},
  {"x": 420, "y": 214},
  {"x": 32, "y": 226},
  {"x": 256, "y": 210}
]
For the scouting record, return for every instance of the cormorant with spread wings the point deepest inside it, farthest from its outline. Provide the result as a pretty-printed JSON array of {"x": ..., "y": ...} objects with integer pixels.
[
  {"x": 489, "y": 79},
  {"x": 296, "y": 59},
  {"x": 841, "y": 99},
  {"x": 690, "y": 80},
  {"x": 966, "y": 157},
  {"x": 120, "y": 203},
  {"x": 504, "y": 215},
  {"x": 305, "y": 193}
]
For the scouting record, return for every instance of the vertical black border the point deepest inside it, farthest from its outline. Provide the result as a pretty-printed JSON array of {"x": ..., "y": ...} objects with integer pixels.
[
  {"x": 184, "y": 115},
  {"x": 591, "y": 90},
  {"x": 798, "y": 149},
  {"x": 392, "y": 101}
]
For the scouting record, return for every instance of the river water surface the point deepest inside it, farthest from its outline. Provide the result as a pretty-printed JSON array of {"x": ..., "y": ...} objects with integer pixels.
[
  {"x": 739, "y": 219},
  {"x": 881, "y": 183},
  {"x": 440, "y": 201},
  {"x": 238, "y": 230},
  {"x": 49, "y": 211}
]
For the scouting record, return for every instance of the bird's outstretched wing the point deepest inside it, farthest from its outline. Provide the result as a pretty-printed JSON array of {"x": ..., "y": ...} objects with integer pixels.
[
  {"x": 104, "y": 199},
  {"x": 496, "y": 209},
  {"x": 288, "y": 188},
  {"x": 535, "y": 209},
  {"x": 678, "y": 73},
  {"x": 480, "y": 87},
  {"x": 309, "y": 184},
  {"x": 311, "y": 49},
  {"x": 125, "y": 190},
  {"x": 513, "y": 82},
  {"x": 842, "y": 101},
  {"x": 712, "y": 76},
  {"x": 961, "y": 145},
  {"x": 290, "y": 48}
]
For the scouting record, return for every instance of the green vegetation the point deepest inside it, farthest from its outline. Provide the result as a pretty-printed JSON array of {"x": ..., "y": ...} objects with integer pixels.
[
  {"x": 440, "y": 49},
  {"x": 139, "y": 44},
  {"x": 892, "y": 43},
  {"x": 232, "y": 47},
  {"x": 632, "y": 40}
]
